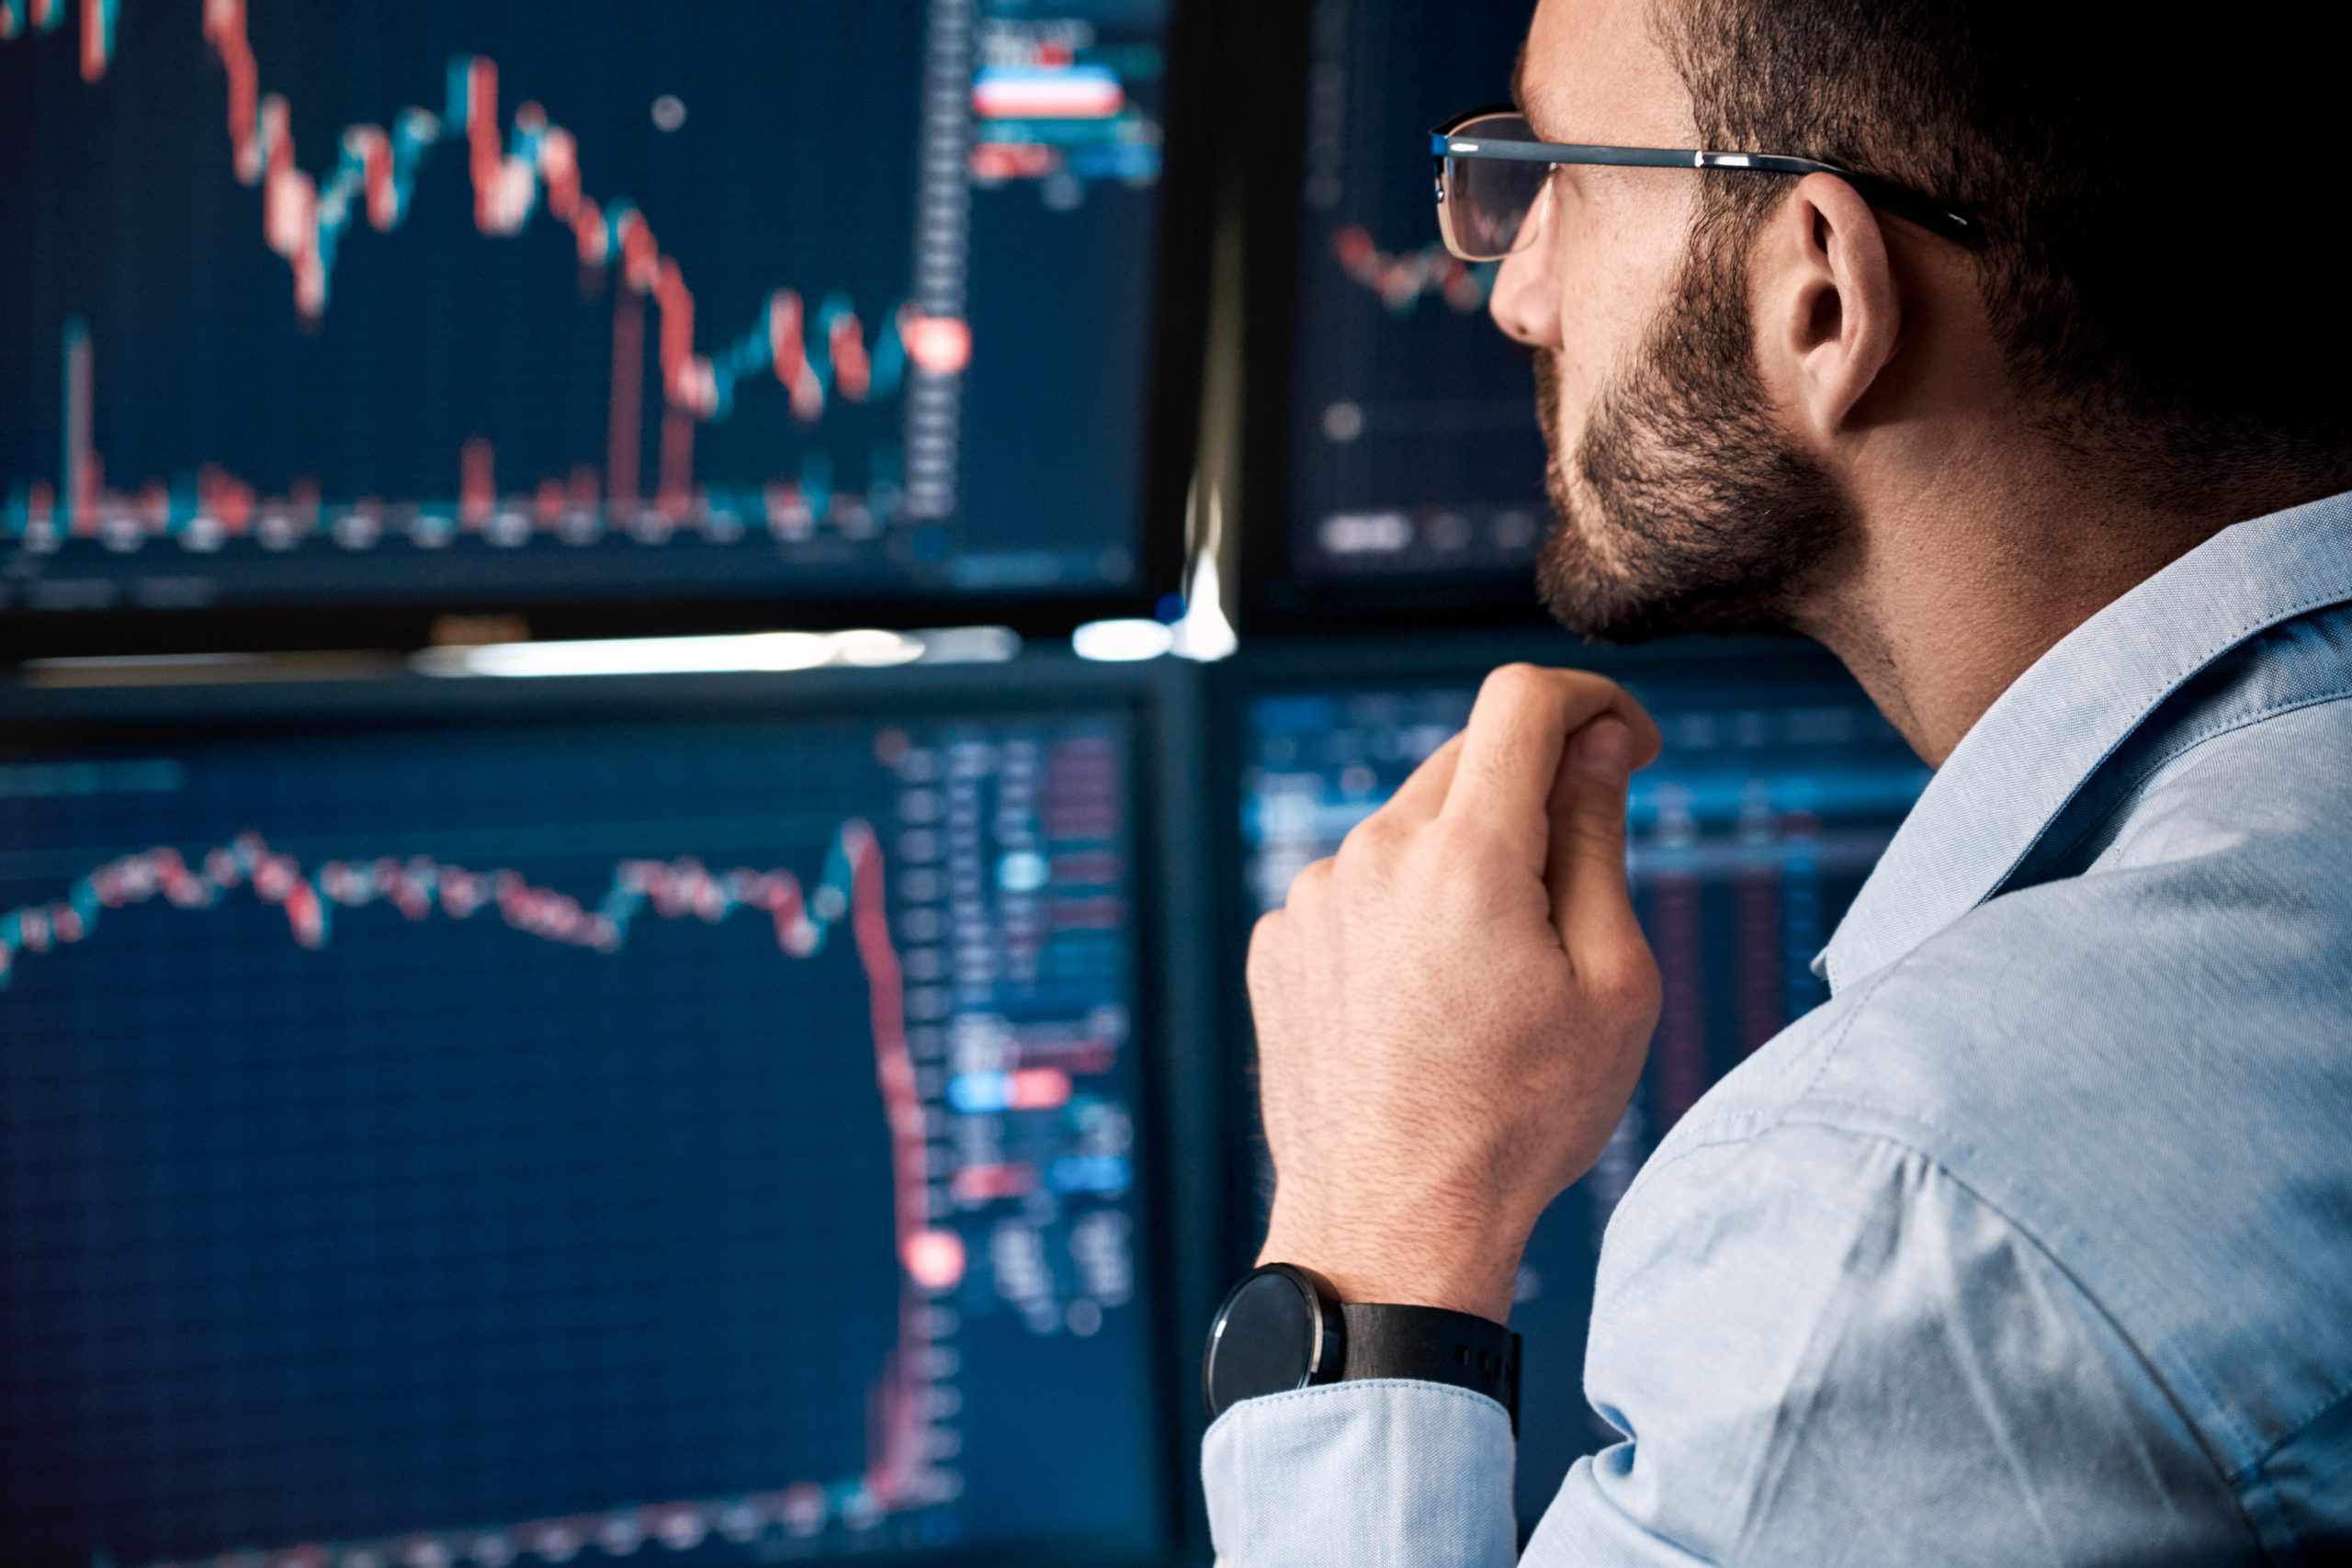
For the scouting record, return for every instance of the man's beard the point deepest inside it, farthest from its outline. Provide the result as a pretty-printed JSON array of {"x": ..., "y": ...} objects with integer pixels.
[{"x": 1696, "y": 513}]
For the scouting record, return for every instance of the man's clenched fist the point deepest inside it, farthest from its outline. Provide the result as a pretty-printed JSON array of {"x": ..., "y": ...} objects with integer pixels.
[{"x": 1451, "y": 1012}]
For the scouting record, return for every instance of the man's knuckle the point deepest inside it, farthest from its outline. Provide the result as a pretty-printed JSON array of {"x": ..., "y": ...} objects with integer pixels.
[
  {"x": 1373, "y": 839},
  {"x": 1623, "y": 982},
  {"x": 1264, "y": 937},
  {"x": 1307, "y": 888},
  {"x": 1464, "y": 841},
  {"x": 1598, "y": 833},
  {"x": 1598, "y": 686},
  {"x": 1517, "y": 683}
]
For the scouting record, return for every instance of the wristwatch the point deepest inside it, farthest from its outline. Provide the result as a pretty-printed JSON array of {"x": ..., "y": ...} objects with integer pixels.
[{"x": 1283, "y": 1327}]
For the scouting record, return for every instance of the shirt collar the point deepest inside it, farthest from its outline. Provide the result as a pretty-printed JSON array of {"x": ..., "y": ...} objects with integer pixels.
[{"x": 2043, "y": 737}]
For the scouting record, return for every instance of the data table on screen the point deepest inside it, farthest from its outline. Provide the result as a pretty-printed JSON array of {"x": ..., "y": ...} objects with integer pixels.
[
  {"x": 1776, "y": 793},
  {"x": 564, "y": 301},
  {"x": 465, "y": 1146}
]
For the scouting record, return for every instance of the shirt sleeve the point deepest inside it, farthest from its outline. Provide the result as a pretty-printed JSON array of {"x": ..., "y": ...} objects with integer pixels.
[
  {"x": 1820, "y": 1348},
  {"x": 1383, "y": 1472}
]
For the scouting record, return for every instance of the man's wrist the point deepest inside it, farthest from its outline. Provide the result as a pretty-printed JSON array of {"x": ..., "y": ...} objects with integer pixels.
[{"x": 1477, "y": 1279}]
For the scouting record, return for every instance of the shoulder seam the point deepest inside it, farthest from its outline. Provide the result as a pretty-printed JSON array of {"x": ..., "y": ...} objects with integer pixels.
[{"x": 1744, "y": 1126}]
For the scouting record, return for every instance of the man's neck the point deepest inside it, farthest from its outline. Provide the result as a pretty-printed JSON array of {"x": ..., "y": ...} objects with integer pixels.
[{"x": 1938, "y": 609}]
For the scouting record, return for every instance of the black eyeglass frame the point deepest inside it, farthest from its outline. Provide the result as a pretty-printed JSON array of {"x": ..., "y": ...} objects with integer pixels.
[{"x": 1938, "y": 218}]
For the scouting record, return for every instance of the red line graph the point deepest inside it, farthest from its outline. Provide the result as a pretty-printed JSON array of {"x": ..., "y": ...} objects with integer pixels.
[
  {"x": 1404, "y": 279},
  {"x": 419, "y": 888}
]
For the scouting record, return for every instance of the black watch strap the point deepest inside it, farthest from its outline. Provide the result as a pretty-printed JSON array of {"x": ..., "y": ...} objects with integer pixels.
[{"x": 1433, "y": 1345}]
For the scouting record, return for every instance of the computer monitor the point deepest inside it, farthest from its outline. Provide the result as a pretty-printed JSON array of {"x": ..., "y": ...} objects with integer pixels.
[
  {"x": 1396, "y": 464},
  {"x": 455, "y": 1130},
  {"x": 1777, "y": 788},
  {"x": 598, "y": 314}
]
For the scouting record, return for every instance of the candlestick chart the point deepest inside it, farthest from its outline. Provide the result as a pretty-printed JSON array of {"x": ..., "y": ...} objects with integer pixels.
[
  {"x": 1774, "y": 796},
  {"x": 488, "y": 304},
  {"x": 470, "y": 1148},
  {"x": 1405, "y": 280},
  {"x": 1414, "y": 447}
]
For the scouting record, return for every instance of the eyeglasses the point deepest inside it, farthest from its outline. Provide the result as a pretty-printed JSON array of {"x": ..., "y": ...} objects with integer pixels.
[{"x": 1492, "y": 170}]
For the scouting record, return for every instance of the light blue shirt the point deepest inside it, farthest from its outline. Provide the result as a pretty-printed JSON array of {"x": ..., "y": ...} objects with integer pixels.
[{"x": 2034, "y": 1243}]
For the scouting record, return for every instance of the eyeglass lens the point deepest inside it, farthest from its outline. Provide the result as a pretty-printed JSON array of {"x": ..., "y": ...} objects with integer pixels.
[{"x": 1488, "y": 199}]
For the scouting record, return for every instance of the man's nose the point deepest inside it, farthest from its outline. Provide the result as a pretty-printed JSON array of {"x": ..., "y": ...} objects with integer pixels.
[{"x": 1521, "y": 303}]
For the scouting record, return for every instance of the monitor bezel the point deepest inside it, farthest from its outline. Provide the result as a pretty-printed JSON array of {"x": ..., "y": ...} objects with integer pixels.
[
  {"x": 1180, "y": 1101},
  {"x": 1167, "y": 436}
]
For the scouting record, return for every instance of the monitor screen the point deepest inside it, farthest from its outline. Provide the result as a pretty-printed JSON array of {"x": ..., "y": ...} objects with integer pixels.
[
  {"x": 1413, "y": 461},
  {"x": 491, "y": 305},
  {"x": 1775, "y": 794},
  {"x": 464, "y": 1144}
]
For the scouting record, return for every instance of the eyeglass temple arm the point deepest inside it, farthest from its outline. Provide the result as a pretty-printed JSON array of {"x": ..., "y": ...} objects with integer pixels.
[
  {"x": 1901, "y": 200},
  {"x": 1443, "y": 146}
]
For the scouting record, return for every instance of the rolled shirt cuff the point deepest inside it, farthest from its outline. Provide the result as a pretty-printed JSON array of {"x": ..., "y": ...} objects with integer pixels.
[{"x": 1383, "y": 1470}]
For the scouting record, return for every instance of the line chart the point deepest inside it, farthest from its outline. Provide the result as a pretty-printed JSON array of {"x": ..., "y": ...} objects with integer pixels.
[
  {"x": 420, "y": 888},
  {"x": 1405, "y": 278},
  {"x": 900, "y": 1475}
]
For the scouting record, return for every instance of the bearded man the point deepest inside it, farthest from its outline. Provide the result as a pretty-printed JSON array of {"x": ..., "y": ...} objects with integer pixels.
[{"x": 2004, "y": 355}]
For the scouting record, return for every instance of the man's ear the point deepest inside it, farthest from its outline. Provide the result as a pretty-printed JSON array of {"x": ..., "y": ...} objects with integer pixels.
[{"x": 1828, "y": 312}]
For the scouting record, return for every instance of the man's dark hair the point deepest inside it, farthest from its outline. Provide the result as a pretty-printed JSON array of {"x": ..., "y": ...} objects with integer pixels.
[{"x": 2159, "y": 197}]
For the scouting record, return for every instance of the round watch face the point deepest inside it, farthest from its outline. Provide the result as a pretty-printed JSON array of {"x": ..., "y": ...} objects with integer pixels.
[{"x": 1268, "y": 1338}]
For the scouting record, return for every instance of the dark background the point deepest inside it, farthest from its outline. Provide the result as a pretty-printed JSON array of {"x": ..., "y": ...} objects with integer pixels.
[{"x": 269, "y": 1274}]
